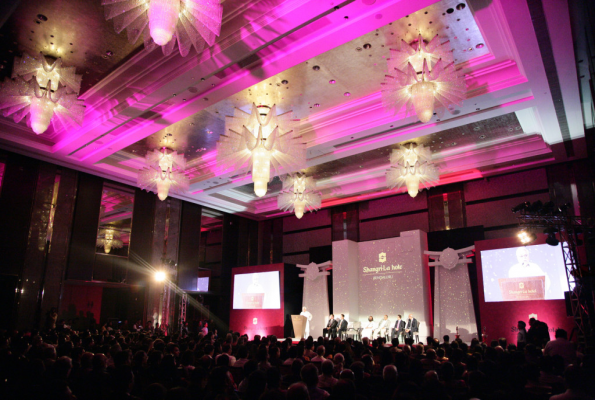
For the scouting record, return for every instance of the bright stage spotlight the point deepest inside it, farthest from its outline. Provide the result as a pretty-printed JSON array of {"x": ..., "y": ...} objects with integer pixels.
[
  {"x": 526, "y": 237},
  {"x": 160, "y": 276}
]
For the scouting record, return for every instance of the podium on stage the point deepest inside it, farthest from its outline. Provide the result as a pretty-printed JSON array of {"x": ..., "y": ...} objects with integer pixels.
[
  {"x": 252, "y": 300},
  {"x": 299, "y": 325},
  {"x": 528, "y": 288}
]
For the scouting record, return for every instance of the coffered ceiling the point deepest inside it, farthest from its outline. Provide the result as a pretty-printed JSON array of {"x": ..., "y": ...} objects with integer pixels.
[{"x": 324, "y": 62}]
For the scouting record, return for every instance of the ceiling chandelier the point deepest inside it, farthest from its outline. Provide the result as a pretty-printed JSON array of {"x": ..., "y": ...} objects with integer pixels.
[
  {"x": 189, "y": 22},
  {"x": 264, "y": 140},
  {"x": 411, "y": 165},
  {"x": 163, "y": 173},
  {"x": 421, "y": 75},
  {"x": 46, "y": 92},
  {"x": 109, "y": 239},
  {"x": 298, "y": 194}
]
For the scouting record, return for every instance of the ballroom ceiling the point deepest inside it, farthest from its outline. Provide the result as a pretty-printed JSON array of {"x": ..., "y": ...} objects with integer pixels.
[{"x": 322, "y": 61}]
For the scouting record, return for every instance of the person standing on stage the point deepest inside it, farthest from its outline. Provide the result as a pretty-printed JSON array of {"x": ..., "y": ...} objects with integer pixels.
[
  {"x": 308, "y": 316},
  {"x": 369, "y": 328},
  {"x": 384, "y": 327},
  {"x": 399, "y": 328},
  {"x": 342, "y": 328},
  {"x": 411, "y": 327},
  {"x": 331, "y": 326}
]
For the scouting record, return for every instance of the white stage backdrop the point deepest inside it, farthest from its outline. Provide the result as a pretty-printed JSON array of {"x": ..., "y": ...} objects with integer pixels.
[
  {"x": 389, "y": 276},
  {"x": 453, "y": 303}
]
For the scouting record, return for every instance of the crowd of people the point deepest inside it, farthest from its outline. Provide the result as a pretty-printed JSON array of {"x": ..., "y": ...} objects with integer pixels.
[{"x": 116, "y": 364}]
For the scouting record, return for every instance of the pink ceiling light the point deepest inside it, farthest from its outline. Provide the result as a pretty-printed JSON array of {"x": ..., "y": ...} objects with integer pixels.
[
  {"x": 51, "y": 97},
  {"x": 412, "y": 166},
  {"x": 164, "y": 173},
  {"x": 298, "y": 194},
  {"x": 165, "y": 22},
  {"x": 261, "y": 139},
  {"x": 422, "y": 75}
]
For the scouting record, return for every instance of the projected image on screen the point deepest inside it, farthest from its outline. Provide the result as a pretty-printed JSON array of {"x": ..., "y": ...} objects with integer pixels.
[
  {"x": 524, "y": 273},
  {"x": 257, "y": 290},
  {"x": 202, "y": 284}
]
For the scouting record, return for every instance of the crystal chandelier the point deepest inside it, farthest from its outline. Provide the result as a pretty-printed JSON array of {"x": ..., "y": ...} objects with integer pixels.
[
  {"x": 411, "y": 165},
  {"x": 189, "y": 22},
  {"x": 109, "y": 239},
  {"x": 422, "y": 75},
  {"x": 298, "y": 194},
  {"x": 264, "y": 140},
  {"x": 164, "y": 173},
  {"x": 46, "y": 92}
]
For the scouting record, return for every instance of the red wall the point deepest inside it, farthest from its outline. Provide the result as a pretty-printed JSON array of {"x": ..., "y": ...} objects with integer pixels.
[
  {"x": 269, "y": 322},
  {"x": 81, "y": 298},
  {"x": 500, "y": 318}
]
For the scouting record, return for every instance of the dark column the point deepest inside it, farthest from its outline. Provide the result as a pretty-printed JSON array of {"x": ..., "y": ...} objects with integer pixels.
[
  {"x": 189, "y": 256},
  {"x": 34, "y": 269},
  {"x": 58, "y": 255},
  {"x": 141, "y": 236},
  {"x": 84, "y": 228},
  {"x": 16, "y": 201}
]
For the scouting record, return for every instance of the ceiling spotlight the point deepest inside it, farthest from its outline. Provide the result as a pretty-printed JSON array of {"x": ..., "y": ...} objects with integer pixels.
[
  {"x": 551, "y": 237},
  {"x": 535, "y": 207},
  {"x": 192, "y": 23},
  {"x": 526, "y": 237},
  {"x": 264, "y": 140},
  {"x": 521, "y": 207},
  {"x": 547, "y": 208},
  {"x": 299, "y": 194},
  {"x": 160, "y": 276}
]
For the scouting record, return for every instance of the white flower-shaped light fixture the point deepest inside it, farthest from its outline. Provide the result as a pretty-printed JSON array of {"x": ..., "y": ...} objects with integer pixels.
[
  {"x": 164, "y": 173},
  {"x": 411, "y": 165},
  {"x": 46, "y": 92},
  {"x": 421, "y": 75},
  {"x": 298, "y": 194},
  {"x": 189, "y": 22},
  {"x": 109, "y": 239},
  {"x": 263, "y": 139}
]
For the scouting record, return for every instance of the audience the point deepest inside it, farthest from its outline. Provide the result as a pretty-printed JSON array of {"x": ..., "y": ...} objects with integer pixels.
[{"x": 116, "y": 364}]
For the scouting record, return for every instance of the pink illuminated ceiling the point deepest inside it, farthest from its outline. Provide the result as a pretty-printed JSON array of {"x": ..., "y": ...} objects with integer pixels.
[{"x": 267, "y": 53}]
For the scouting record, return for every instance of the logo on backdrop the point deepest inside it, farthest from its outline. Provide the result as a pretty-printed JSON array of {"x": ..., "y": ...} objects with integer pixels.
[
  {"x": 382, "y": 271},
  {"x": 521, "y": 285},
  {"x": 255, "y": 321},
  {"x": 382, "y": 257}
]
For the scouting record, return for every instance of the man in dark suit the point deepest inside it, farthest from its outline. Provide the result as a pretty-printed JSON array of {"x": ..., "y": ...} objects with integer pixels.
[
  {"x": 398, "y": 329},
  {"x": 412, "y": 327},
  {"x": 331, "y": 326},
  {"x": 342, "y": 326}
]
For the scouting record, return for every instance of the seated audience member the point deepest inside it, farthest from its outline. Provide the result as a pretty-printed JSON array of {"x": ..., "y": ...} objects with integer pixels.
[
  {"x": 560, "y": 346},
  {"x": 575, "y": 381},
  {"x": 309, "y": 376},
  {"x": 326, "y": 379},
  {"x": 319, "y": 355}
]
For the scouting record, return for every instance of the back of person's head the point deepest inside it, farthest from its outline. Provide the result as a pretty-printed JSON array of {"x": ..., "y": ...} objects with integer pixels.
[
  {"x": 327, "y": 368},
  {"x": 178, "y": 393},
  {"x": 223, "y": 360},
  {"x": 573, "y": 377},
  {"x": 395, "y": 342},
  {"x": 242, "y": 351},
  {"x": 347, "y": 374},
  {"x": 440, "y": 352},
  {"x": 309, "y": 375},
  {"x": 431, "y": 354},
  {"x": 447, "y": 371},
  {"x": 339, "y": 358},
  {"x": 298, "y": 391},
  {"x": 155, "y": 391},
  {"x": 296, "y": 366},
  {"x": 292, "y": 352},
  {"x": 262, "y": 354},
  {"x": 218, "y": 379},
  {"x": 446, "y": 338},
  {"x": 250, "y": 367},
  {"x": 257, "y": 383},
  {"x": 390, "y": 373},
  {"x": 99, "y": 362},
  {"x": 358, "y": 370},
  {"x": 561, "y": 334},
  {"x": 273, "y": 378},
  {"x": 344, "y": 389},
  {"x": 320, "y": 351},
  {"x": 123, "y": 379},
  {"x": 521, "y": 324},
  {"x": 502, "y": 342}
]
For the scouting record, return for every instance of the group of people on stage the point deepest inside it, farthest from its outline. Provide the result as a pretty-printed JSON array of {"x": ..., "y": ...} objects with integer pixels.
[{"x": 385, "y": 328}]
